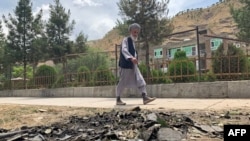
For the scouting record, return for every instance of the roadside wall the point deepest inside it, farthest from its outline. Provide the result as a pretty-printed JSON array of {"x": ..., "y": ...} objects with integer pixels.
[{"x": 220, "y": 89}]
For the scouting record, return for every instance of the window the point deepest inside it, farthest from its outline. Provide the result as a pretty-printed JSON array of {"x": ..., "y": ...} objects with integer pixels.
[
  {"x": 158, "y": 53},
  {"x": 172, "y": 51},
  {"x": 202, "y": 49},
  {"x": 193, "y": 51},
  {"x": 212, "y": 44},
  {"x": 215, "y": 43},
  {"x": 169, "y": 53},
  {"x": 188, "y": 50}
]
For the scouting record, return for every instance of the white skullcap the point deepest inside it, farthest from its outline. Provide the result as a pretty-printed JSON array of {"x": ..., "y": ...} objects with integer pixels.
[{"x": 134, "y": 26}]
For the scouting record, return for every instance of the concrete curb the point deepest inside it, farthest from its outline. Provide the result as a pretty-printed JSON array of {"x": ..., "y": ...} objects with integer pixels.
[{"x": 219, "y": 89}]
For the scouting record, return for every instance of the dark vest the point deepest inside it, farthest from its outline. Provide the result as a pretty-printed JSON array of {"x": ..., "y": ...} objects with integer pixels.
[{"x": 123, "y": 63}]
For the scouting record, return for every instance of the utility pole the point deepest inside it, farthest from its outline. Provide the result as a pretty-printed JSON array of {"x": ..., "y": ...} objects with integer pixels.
[{"x": 198, "y": 48}]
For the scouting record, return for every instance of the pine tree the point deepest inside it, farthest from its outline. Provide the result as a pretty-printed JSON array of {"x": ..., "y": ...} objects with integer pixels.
[
  {"x": 151, "y": 15},
  {"x": 2, "y": 46},
  {"x": 23, "y": 31},
  {"x": 5, "y": 58},
  {"x": 80, "y": 43},
  {"x": 38, "y": 50},
  {"x": 2, "y": 36},
  {"x": 58, "y": 30},
  {"x": 242, "y": 18}
]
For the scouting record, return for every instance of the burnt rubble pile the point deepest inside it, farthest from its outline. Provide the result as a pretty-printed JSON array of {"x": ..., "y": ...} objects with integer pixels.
[{"x": 133, "y": 125}]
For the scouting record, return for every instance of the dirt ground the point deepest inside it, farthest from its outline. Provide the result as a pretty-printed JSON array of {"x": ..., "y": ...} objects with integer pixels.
[{"x": 16, "y": 116}]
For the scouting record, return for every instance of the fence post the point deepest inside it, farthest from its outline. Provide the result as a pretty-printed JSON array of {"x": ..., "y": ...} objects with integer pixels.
[{"x": 199, "y": 56}]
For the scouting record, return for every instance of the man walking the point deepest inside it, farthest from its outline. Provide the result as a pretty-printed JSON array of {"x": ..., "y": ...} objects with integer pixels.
[{"x": 130, "y": 75}]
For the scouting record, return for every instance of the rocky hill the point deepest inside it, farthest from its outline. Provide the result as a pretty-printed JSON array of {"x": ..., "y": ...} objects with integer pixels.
[
  {"x": 216, "y": 18},
  {"x": 108, "y": 42}
]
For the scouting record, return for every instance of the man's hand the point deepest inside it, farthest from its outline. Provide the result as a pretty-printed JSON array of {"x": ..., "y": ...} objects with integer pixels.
[{"x": 134, "y": 60}]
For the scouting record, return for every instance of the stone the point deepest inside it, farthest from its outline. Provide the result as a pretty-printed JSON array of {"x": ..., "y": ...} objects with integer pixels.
[
  {"x": 132, "y": 125},
  {"x": 168, "y": 134},
  {"x": 152, "y": 117}
]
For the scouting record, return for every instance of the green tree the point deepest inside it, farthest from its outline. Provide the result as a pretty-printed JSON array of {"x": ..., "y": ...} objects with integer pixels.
[
  {"x": 2, "y": 46},
  {"x": 58, "y": 30},
  {"x": 181, "y": 69},
  {"x": 81, "y": 43},
  {"x": 152, "y": 15},
  {"x": 2, "y": 36},
  {"x": 38, "y": 51},
  {"x": 22, "y": 33},
  {"x": 231, "y": 61},
  {"x": 4, "y": 58},
  {"x": 242, "y": 17}
]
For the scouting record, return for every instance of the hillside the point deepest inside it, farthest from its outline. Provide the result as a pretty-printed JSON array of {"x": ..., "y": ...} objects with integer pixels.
[
  {"x": 216, "y": 18},
  {"x": 108, "y": 42}
]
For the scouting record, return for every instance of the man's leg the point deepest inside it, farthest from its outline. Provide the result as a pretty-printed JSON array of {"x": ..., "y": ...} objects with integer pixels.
[
  {"x": 119, "y": 90},
  {"x": 146, "y": 99}
]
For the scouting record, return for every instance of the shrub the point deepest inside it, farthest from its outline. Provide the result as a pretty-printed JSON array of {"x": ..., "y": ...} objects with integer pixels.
[
  {"x": 181, "y": 69},
  {"x": 45, "y": 76},
  {"x": 230, "y": 61},
  {"x": 59, "y": 82},
  {"x": 18, "y": 71},
  {"x": 143, "y": 69},
  {"x": 83, "y": 74},
  {"x": 209, "y": 77},
  {"x": 158, "y": 77},
  {"x": 103, "y": 76},
  {"x": 92, "y": 61}
]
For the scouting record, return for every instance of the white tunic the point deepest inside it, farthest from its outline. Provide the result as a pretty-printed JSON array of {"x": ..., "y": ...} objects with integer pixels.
[{"x": 131, "y": 78}]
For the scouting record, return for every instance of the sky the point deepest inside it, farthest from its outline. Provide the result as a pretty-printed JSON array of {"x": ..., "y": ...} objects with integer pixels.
[{"x": 95, "y": 18}]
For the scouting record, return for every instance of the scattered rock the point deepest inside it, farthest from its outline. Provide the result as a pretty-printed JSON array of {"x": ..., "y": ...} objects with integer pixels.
[
  {"x": 226, "y": 115},
  {"x": 168, "y": 134},
  {"x": 128, "y": 125}
]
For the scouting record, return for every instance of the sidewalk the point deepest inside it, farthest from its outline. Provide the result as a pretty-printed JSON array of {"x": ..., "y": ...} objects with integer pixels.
[{"x": 161, "y": 103}]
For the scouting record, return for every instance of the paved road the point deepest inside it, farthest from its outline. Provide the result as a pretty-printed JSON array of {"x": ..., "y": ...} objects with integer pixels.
[{"x": 162, "y": 103}]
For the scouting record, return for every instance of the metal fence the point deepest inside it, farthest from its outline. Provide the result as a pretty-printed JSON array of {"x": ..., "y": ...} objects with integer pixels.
[
  {"x": 228, "y": 68},
  {"x": 202, "y": 65}
]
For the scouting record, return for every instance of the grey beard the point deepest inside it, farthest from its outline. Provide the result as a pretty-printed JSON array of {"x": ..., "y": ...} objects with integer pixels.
[{"x": 133, "y": 38}]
